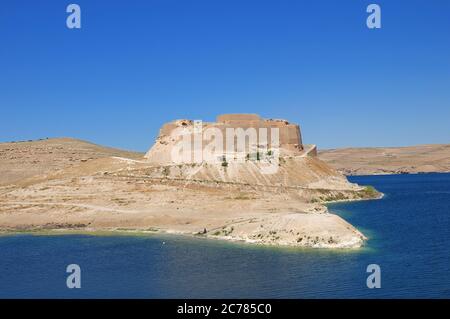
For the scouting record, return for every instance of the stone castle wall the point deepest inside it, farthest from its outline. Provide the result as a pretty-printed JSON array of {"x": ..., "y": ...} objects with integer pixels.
[{"x": 289, "y": 134}]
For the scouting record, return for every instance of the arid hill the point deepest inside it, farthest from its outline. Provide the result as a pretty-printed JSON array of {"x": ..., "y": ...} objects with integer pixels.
[
  {"x": 66, "y": 184},
  {"x": 389, "y": 160},
  {"x": 19, "y": 160}
]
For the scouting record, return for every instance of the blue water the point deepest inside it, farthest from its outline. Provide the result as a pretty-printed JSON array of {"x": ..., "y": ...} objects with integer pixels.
[{"x": 409, "y": 237}]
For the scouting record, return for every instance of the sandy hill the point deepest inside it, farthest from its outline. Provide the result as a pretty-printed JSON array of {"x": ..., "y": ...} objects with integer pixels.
[
  {"x": 389, "y": 160},
  {"x": 19, "y": 160}
]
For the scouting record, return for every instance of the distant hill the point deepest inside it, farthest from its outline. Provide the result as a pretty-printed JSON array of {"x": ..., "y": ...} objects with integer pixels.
[
  {"x": 20, "y": 160},
  {"x": 389, "y": 160}
]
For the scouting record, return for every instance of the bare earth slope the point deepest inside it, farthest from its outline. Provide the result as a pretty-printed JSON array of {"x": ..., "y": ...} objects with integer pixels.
[
  {"x": 68, "y": 184},
  {"x": 19, "y": 160},
  {"x": 389, "y": 160}
]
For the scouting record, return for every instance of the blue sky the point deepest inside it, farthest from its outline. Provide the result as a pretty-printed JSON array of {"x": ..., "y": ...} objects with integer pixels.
[{"x": 137, "y": 64}]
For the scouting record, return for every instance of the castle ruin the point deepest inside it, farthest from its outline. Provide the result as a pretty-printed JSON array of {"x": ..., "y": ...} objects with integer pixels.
[{"x": 271, "y": 134}]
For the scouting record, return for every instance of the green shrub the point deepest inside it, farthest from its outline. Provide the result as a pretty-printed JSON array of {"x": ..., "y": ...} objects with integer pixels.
[{"x": 370, "y": 191}]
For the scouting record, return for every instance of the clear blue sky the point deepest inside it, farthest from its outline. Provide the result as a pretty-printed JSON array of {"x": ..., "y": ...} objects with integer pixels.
[{"x": 137, "y": 64}]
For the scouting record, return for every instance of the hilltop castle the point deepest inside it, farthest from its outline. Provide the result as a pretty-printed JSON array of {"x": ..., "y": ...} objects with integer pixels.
[{"x": 259, "y": 133}]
